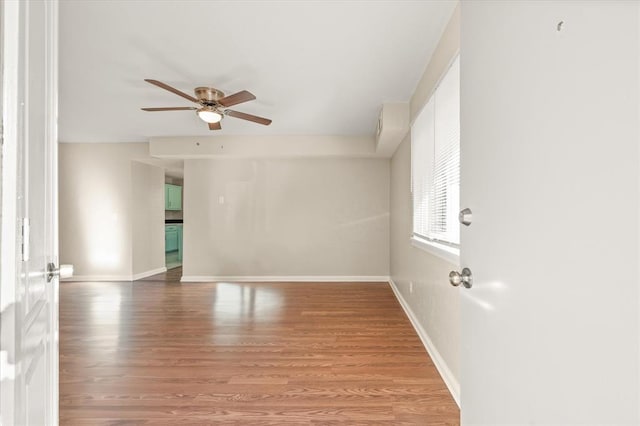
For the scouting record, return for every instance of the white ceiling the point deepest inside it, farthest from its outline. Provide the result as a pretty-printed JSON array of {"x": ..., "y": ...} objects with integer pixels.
[{"x": 316, "y": 67}]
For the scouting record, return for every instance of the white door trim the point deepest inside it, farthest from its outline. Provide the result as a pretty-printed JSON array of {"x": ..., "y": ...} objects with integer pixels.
[
  {"x": 9, "y": 235},
  {"x": 51, "y": 97}
]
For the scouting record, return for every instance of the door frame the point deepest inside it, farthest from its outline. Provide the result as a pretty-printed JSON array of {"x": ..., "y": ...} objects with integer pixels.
[
  {"x": 52, "y": 190},
  {"x": 9, "y": 244},
  {"x": 12, "y": 144}
]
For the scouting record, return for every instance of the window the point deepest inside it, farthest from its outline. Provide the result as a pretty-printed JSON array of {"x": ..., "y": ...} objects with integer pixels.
[{"x": 435, "y": 165}]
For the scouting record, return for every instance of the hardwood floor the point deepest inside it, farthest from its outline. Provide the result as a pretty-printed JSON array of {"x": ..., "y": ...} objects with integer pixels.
[{"x": 164, "y": 353}]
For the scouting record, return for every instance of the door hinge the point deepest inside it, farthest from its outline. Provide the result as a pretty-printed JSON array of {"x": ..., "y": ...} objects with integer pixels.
[{"x": 25, "y": 233}]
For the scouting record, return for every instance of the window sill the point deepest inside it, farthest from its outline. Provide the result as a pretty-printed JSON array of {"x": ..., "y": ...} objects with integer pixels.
[{"x": 448, "y": 253}]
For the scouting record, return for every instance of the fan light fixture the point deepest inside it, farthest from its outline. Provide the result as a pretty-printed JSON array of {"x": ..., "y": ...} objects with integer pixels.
[{"x": 209, "y": 115}]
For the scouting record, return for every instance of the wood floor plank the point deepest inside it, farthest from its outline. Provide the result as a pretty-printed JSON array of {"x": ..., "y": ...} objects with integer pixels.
[{"x": 158, "y": 352}]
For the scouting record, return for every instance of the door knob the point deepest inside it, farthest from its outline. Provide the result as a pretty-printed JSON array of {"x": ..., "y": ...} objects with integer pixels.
[
  {"x": 465, "y": 278},
  {"x": 465, "y": 217},
  {"x": 64, "y": 271}
]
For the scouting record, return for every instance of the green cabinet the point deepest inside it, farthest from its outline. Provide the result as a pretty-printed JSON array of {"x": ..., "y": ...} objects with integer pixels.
[
  {"x": 180, "y": 243},
  {"x": 172, "y": 197},
  {"x": 171, "y": 238}
]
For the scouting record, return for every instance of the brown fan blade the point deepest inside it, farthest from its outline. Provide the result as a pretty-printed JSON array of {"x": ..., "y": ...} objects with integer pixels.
[
  {"x": 215, "y": 126},
  {"x": 236, "y": 98},
  {"x": 249, "y": 117},
  {"x": 171, "y": 89},
  {"x": 169, "y": 109}
]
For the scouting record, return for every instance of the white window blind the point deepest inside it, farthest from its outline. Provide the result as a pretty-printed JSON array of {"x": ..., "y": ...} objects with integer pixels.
[{"x": 435, "y": 163}]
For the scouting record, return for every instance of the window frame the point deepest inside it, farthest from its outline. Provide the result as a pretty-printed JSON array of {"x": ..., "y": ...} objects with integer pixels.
[{"x": 443, "y": 249}]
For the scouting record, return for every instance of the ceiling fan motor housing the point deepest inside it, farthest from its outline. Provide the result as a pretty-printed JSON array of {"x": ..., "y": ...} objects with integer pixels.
[{"x": 208, "y": 95}]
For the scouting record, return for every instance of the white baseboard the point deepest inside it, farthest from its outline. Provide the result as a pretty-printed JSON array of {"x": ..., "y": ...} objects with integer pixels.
[
  {"x": 116, "y": 277},
  {"x": 442, "y": 367},
  {"x": 285, "y": 278},
  {"x": 98, "y": 278},
  {"x": 149, "y": 273}
]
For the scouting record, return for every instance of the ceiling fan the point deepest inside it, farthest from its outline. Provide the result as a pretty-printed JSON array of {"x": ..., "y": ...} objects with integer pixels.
[{"x": 213, "y": 104}]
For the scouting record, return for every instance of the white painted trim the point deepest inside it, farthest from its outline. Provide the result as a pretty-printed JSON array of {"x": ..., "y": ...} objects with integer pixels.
[
  {"x": 442, "y": 367},
  {"x": 239, "y": 278},
  {"x": 148, "y": 273},
  {"x": 52, "y": 209},
  {"x": 284, "y": 278},
  {"x": 98, "y": 278},
  {"x": 638, "y": 194},
  {"x": 443, "y": 251},
  {"x": 9, "y": 253}
]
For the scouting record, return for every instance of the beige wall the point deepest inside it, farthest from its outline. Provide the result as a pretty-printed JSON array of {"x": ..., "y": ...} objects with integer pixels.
[
  {"x": 147, "y": 186},
  {"x": 433, "y": 302},
  {"x": 249, "y": 146},
  {"x": 96, "y": 208},
  {"x": 448, "y": 47},
  {"x": 286, "y": 218}
]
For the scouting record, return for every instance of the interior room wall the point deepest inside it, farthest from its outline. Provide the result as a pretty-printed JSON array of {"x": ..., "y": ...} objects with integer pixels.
[
  {"x": 96, "y": 208},
  {"x": 265, "y": 146},
  {"x": 282, "y": 218},
  {"x": 147, "y": 186},
  {"x": 420, "y": 278},
  {"x": 173, "y": 180}
]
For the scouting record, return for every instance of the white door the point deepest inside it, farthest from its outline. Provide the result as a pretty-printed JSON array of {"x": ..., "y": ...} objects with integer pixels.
[
  {"x": 28, "y": 300},
  {"x": 549, "y": 167}
]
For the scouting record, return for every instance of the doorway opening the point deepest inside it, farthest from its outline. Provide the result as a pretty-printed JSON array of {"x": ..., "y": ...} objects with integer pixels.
[{"x": 173, "y": 220}]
